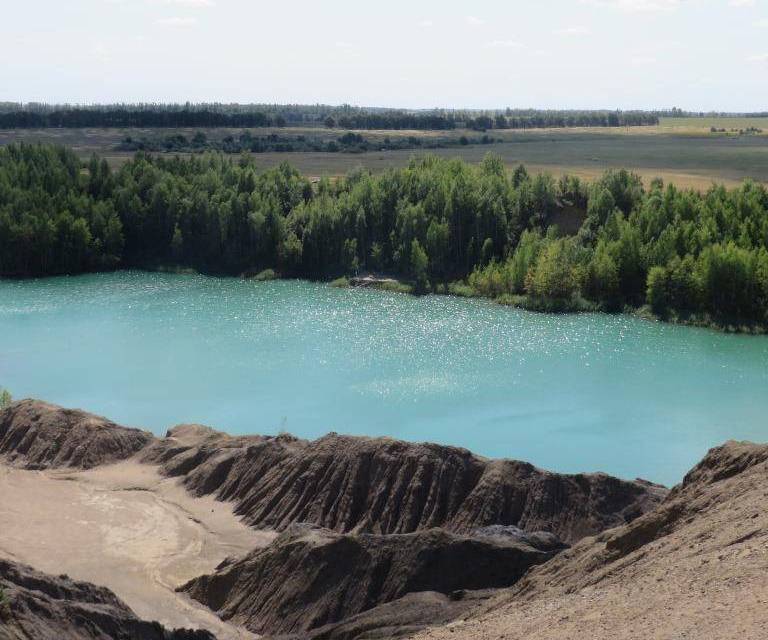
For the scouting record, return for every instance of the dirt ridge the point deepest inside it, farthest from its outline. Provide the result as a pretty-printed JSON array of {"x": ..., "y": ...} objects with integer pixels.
[
  {"x": 310, "y": 577},
  {"x": 39, "y": 606},
  {"x": 38, "y": 435},
  {"x": 380, "y": 485},
  {"x": 694, "y": 567}
]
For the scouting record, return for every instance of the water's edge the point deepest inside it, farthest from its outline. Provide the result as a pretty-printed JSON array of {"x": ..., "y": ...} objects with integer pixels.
[{"x": 571, "y": 393}]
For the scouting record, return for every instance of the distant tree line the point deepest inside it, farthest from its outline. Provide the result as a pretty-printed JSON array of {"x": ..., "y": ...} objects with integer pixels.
[
  {"x": 676, "y": 112},
  {"x": 19, "y": 116},
  {"x": 348, "y": 142},
  {"x": 433, "y": 222}
]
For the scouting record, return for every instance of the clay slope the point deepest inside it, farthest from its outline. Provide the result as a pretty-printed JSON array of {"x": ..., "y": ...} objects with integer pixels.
[
  {"x": 36, "y": 606},
  {"x": 400, "y": 618},
  {"x": 695, "y": 567},
  {"x": 38, "y": 435},
  {"x": 343, "y": 483},
  {"x": 379, "y": 485},
  {"x": 310, "y": 577}
]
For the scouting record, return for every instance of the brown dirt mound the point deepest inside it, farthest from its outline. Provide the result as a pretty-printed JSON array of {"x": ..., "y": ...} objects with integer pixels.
[
  {"x": 310, "y": 577},
  {"x": 379, "y": 485},
  {"x": 37, "y": 606},
  {"x": 693, "y": 568},
  {"x": 400, "y": 618},
  {"x": 37, "y": 435},
  {"x": 342, "y": 483}
]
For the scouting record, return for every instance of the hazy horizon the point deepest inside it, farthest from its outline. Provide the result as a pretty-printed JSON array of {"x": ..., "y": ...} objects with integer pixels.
[
  {"x": 699, "y": 55},
  {"x": 406, "y": 108}
]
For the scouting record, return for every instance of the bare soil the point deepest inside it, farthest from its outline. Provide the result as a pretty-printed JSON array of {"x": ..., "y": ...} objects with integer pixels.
[{"x": 125, "y": 527}]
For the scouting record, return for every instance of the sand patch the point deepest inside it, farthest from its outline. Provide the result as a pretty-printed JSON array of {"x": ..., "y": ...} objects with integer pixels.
[{"x": 127, "y": 528}]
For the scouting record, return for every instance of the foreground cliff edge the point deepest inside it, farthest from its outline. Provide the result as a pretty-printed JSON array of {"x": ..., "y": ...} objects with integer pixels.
[
  {"x": 380, "y": 538},
  {"x": 36, "y": 605}
]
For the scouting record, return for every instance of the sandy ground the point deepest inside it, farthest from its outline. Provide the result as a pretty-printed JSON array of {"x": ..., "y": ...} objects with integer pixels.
[
  {"x": 706, "y": 580},
  {"x": 125, "y": 527}
]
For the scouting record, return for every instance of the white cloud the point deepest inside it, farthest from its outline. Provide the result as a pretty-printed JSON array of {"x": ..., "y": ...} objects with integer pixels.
[
  {"x": 705, "y": 82},
  {"x": 101, "y": 52},
  {"x": 637, "y": 6},
  {"x": 344, "y": 45},
  {"x": 184, "y": 3},
  {"x": 742, "y": 3},
  {"x": 761, "y": 24},
  {"x": 177, "y": 21},
  {"x": 426, "y": 24},
  {"x": 762, "y": 57},
  {"x": 191, "y": 3},
  {"x": 475, "y": 21},
  {"x": 504, "y": 44},
  {"x": 641, "y": 61},
  {"x": 576, "y": 30}
]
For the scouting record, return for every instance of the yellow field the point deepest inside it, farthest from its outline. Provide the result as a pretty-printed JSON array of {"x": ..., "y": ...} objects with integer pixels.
[
  {"x": 705, "y": 123},
  {"x": 679, "y": 150}
]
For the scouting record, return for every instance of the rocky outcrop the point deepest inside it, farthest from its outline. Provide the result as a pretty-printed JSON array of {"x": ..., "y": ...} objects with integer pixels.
[
  {"x": 37, "y": 435},
  {"x": 343, "y": 483},
  {"x": 378, "y": 485},
  {"x": 695, "y": 567},
  {"x": 400, "y": 618},
  {"x": 310, "y": 577},
  {"x": 37, "y": 606},
  {"x": 405, "y": 537}
]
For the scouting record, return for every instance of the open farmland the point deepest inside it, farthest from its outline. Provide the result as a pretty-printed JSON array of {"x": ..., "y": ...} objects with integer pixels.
[
  {"x": 679, "y": 150},
  {"x": 720, "y": 122}
]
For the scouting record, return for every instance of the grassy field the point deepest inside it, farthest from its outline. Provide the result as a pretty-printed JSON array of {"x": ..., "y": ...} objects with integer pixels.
[
  {"x": 705, "y": 123},
  {"x": 679, "y": 150}
]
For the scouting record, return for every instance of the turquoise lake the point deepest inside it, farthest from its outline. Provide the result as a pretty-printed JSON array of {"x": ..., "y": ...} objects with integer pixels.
[{"x": 565, "y": 392}]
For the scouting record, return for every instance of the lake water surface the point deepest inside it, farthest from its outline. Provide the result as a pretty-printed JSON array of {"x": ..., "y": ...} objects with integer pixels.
[{"x": 566, "y": 392}]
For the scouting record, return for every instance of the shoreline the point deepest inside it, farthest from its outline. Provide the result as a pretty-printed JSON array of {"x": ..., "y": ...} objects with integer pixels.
[
  {"x": 184, "y": 530},
  {"x": 458, "y": 289}
]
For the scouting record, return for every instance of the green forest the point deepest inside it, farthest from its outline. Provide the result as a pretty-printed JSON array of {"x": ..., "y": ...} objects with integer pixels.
[
  {"x": 273, "y": 143},
  {"x": 442, "y": 225},
  {"x": 36, "y": 116}
]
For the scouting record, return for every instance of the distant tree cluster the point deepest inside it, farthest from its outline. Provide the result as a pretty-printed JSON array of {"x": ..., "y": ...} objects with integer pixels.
[
  {"x": 680, "y": 252},
  {"x": 748, "y": 131},
  {"x": 348, "y": 142},
  {"x": 432, "y": 222},
  {"x": 139, "y": 117},
  {"x": 17, "y": 116},
  {"x": 532, "y": 119},
  {"x": 676, "y": 112}
]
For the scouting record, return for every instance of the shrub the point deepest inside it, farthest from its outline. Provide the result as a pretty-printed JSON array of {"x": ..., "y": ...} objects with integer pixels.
[
  {"x": 266, "y": 274},
  {"x": 340, "y": 283}
]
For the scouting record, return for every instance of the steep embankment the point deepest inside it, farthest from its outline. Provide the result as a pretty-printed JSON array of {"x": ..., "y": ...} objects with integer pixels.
[
  {"x": 400, "y": 520},
  {"x": 37, "y": 435},
  {"x": 379, "y": 485},
  {"x": 37, "y": 606},
  {"x": 342, "y": 483},
  {"x": 695, "y": 567},
  {"x": 309, "y": 577}
]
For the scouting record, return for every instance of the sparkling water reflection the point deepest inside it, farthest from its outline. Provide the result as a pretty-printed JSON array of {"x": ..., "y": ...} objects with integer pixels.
[{"x": 566, "y": 392}]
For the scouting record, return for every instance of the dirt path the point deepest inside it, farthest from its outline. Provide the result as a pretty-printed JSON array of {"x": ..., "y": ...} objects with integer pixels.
[{"x": 125, "y": 527}]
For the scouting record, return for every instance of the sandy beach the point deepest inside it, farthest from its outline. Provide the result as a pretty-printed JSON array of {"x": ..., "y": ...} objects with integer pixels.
[{"x": 125, "y": 527}]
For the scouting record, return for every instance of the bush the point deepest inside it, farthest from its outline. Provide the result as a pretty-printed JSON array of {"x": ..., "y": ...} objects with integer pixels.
[
  {"x": 266, "y": 274},
  {"x": 340, "y": 283},
  {"x": 5, "y": 605},
  {"x": 657, "y": 291},
  {"x": 5, "y": 398}
]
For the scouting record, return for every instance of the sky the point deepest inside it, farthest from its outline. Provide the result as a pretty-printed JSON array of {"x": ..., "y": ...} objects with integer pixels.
[{"x": 569, "y": 54}]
